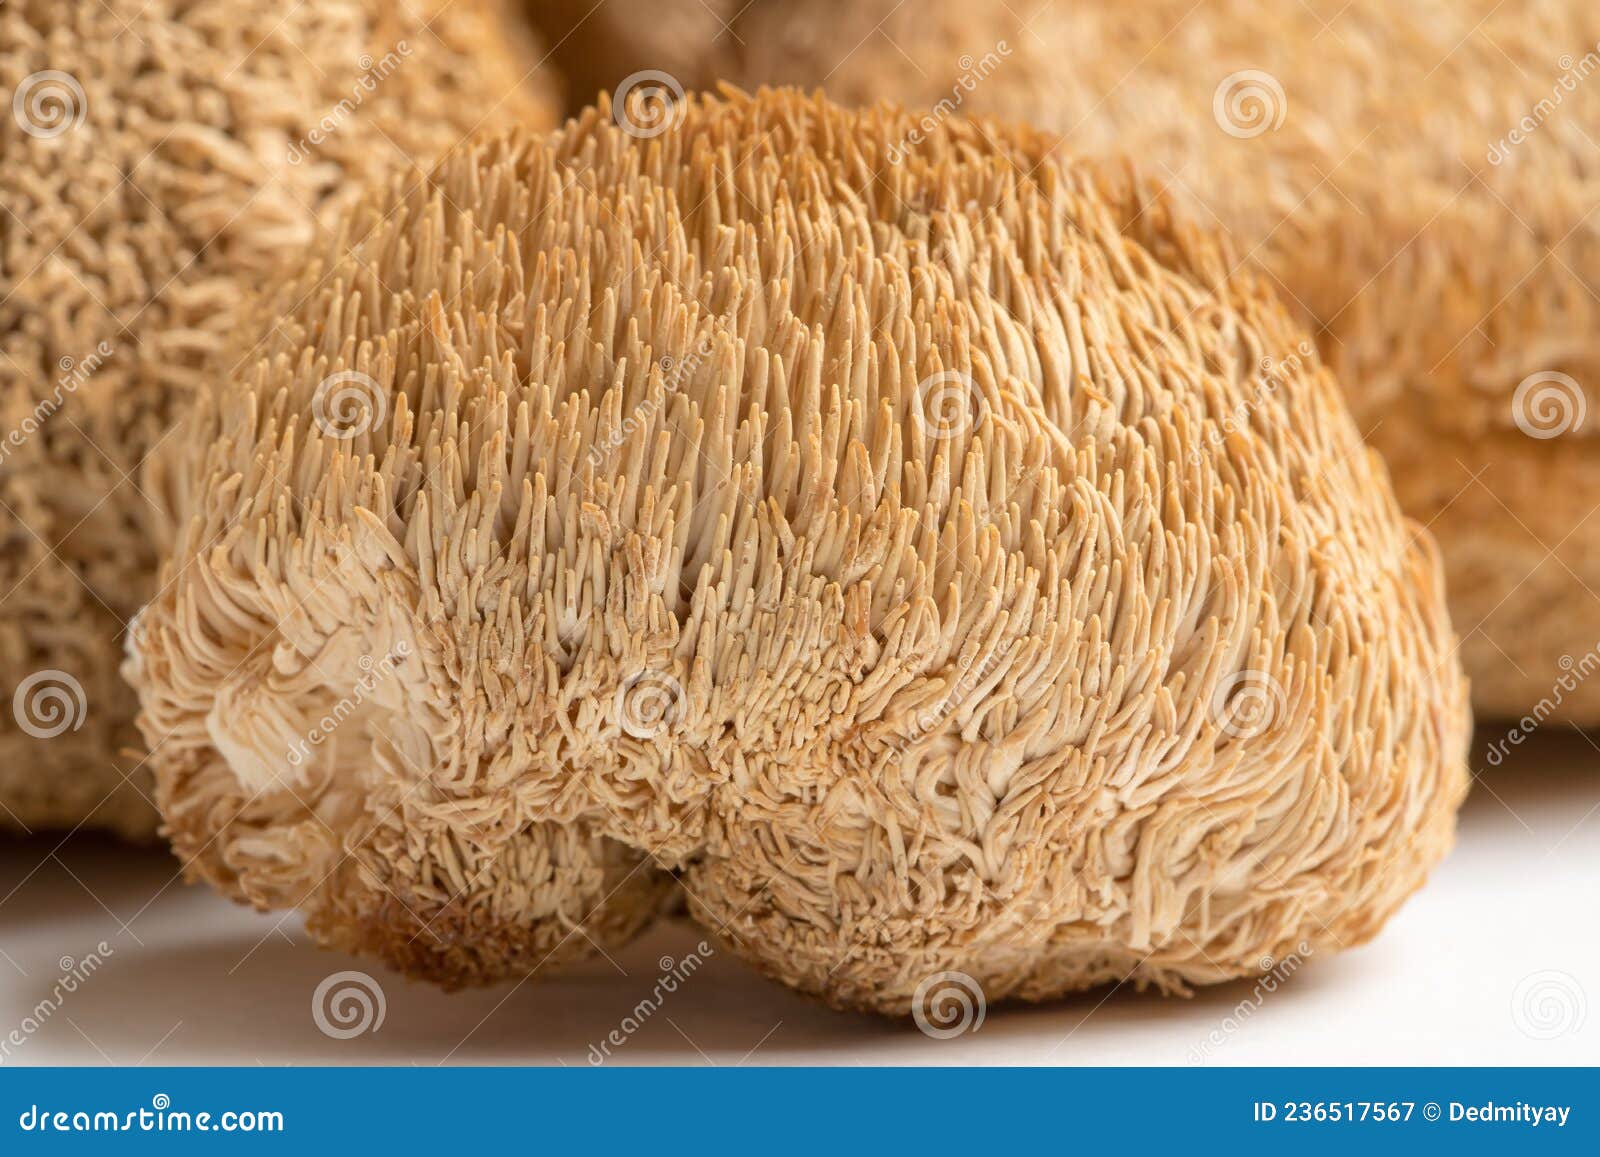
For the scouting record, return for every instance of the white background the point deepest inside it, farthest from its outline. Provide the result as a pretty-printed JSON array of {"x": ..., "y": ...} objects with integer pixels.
[{"x": 1495, "y": 962}]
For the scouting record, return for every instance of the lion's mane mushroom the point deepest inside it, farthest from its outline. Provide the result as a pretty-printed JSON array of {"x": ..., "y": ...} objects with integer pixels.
[
  {"x": 1419, "y": 179},
  {"x": 947, "y": 565},
  {"x": 157, "y": 160}
]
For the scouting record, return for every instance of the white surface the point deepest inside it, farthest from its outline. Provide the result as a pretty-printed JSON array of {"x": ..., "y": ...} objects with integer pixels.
[{"x": 194, "y": 980}]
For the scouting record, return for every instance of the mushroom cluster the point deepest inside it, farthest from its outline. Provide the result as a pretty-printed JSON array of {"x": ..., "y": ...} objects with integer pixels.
[
  {"x": 937, "y": 559},
  {"x": 158, "y": 160},
  {"x": 1419, "y": 181}
]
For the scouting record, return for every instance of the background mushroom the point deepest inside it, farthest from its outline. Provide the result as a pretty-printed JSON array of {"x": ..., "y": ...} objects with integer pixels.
[
  {"x": 1418, "y": 180},
  {"x": 158, "y": 160},
  {"x": 936, "y": 553}
]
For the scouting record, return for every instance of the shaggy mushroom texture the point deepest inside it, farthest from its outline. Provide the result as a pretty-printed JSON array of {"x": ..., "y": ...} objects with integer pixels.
[
  {"x": 1420, "y": 180},
  {"x": 945, "y": 565},
  {"x": 159, "y": 158}
]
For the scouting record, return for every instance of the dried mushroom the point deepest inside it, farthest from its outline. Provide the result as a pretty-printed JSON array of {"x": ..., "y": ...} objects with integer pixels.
[{"x": 944, "y": 565}]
